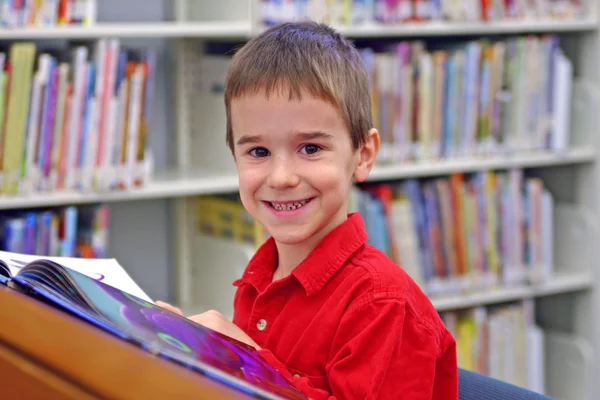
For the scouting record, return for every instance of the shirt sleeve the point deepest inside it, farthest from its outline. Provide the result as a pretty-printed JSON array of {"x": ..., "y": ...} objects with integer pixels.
[{"x": 381, "y": 351}]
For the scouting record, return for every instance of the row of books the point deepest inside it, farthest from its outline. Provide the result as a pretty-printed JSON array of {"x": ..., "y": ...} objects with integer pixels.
[
  {"x": 500, "y": 341},
  {"x": 463, "y": 233},
  {"x": 414, "y": 11},
  {"x": 47, "y": 13},
  {"x": 458, "y": 234},
  {"x": 470, "y": 98},
  {"x": 74, "y": 118},
  {"x": 60, "y": 232}
]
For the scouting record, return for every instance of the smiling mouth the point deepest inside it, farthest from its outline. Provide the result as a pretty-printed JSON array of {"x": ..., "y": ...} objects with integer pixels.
[{"x": 288, "y": 206}]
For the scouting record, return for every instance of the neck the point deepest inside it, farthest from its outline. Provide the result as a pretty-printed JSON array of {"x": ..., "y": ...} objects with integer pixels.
[{"x": 291, "y": 255}]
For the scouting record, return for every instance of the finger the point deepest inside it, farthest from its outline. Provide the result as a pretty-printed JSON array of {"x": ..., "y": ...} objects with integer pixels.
[
  {"x": 207, "y": 321},
  {"x": 201, "y": 319},
  {"x": 215, "y": 314},
  {"x": 169, "y": 307}
]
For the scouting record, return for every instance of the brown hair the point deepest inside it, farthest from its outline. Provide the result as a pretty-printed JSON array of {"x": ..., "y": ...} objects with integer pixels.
[{"x": 303, "y": 56}]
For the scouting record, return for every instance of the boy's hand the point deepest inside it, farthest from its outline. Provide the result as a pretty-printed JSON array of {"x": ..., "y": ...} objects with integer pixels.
[
  {"x": 169, "y": 307},
  {"x": 217, "y": 322}
]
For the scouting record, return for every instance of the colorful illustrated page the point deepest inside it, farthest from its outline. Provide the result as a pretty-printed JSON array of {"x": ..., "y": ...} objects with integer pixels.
[{"x": 176, "y": 335}]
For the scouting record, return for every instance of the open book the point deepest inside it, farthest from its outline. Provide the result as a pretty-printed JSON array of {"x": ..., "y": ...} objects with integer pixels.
[
  {"x": 104, "y": 270},
  {"x": 103, "y": 294}
]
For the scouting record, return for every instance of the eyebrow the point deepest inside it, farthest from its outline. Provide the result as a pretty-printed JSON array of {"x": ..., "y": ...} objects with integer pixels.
[
  {"x": 248, "y": 139},
  {"x": 314, "y": 135},
  {"x": 304, "y": 135}
]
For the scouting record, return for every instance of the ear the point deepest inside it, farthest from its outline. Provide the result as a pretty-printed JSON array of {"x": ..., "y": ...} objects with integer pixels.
[{"x": 366, "y": 155}]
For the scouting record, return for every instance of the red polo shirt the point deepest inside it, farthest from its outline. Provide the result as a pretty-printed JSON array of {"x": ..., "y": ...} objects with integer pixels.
[{"x": 348, "y": 323}]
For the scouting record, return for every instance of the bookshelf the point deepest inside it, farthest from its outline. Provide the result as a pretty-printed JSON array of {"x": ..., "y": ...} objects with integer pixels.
[
  {"x": 567, "y": 306},
  {"x": 564, "y": 306}
]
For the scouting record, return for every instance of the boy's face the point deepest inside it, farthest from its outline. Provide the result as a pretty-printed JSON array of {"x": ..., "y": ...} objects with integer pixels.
[{"x": 296, "y": 163}]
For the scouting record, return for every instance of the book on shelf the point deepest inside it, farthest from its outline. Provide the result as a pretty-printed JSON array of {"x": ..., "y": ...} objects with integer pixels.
[
  {"x": 360, "y": 12},
  {"x": 224, "y": 216},
  {"x": 501, "y": 341},
  {"x": 47, "y": 13},
  {"x": 448, "y": 98},
  {"x": 101, "y": 293},
  {"x": 465, "y": 232},
  {"x": 74, "y": 118},
  {"x": 72, "y": 231}
]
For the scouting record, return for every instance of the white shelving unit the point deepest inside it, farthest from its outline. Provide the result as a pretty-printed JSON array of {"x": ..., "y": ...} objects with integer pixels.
[
  {"x": 568, "y": 283},
  {"x": 205, "y": 30},
  {"x": 468, "y": 28},
  {"x": 244, "y": 29},
  {"x": 580, "y": 155},
  {"x": 569, "y": 303}
]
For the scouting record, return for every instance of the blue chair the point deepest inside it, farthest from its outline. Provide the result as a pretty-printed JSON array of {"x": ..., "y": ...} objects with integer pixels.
[{"x": 475, "y": 386}]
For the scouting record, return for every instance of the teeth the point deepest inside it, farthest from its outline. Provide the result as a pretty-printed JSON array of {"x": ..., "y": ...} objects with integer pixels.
[{"x": 288, "y": 206}]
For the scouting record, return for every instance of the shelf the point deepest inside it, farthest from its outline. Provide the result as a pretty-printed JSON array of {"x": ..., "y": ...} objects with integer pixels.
[
  {"x": 470, "y": 28},
  {"x": 518, "y": 160},
  {"x": 180, "y": 184},
  {"x": 244, "y": 30},
  {"x": 224, "y": 30},
  {"x": 571, "y": 282},
  {"x": 165, "y": 185}
]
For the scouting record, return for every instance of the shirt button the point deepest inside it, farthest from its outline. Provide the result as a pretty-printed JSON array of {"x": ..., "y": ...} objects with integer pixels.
[
  {"x": 261, "y": 325},
  {"x": 296, "y": 376}
]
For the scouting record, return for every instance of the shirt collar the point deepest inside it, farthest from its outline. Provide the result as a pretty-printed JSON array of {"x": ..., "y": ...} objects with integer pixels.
[{"x": 319, "y": 266}]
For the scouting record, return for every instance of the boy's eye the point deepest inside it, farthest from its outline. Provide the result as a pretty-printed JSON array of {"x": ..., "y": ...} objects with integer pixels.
[
  {"x": 311, "y": 148},
  {"x": 259, "y": 152}
]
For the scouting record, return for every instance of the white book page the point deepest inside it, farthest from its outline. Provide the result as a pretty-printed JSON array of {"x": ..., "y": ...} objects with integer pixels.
[{"x": 106, "y": 270}]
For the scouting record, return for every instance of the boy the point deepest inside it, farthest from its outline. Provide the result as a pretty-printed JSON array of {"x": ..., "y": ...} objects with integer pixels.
[{"x": 337, "y": 317}]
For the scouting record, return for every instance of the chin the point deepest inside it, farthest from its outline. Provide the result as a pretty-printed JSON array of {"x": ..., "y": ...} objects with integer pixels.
[{"x": 289, "y": 237}]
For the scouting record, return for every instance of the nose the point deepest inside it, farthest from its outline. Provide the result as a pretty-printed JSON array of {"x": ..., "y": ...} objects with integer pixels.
[{"x": 282, "y": 174}]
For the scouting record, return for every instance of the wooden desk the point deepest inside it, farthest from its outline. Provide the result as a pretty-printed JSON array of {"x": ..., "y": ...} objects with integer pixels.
[{"x": 48, "y": 354}]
